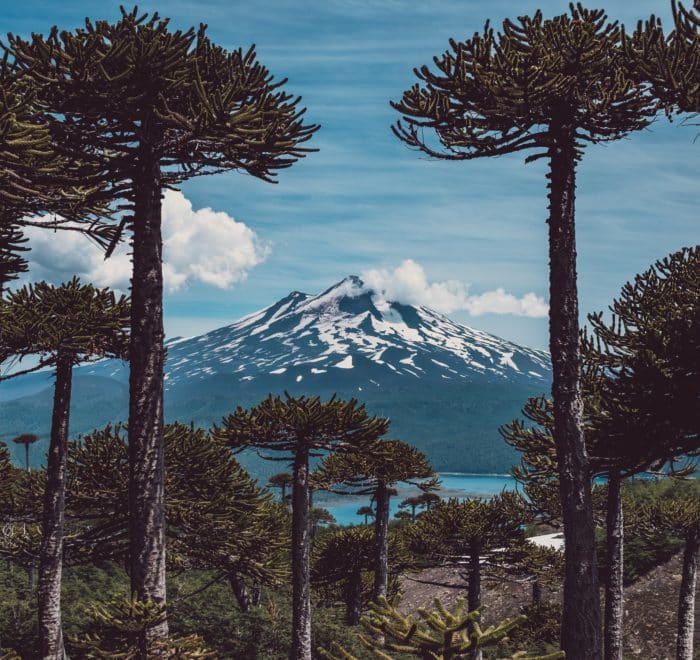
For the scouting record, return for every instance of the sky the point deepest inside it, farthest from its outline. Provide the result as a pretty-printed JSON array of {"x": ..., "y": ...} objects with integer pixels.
[{"x": 467, "y": 238}]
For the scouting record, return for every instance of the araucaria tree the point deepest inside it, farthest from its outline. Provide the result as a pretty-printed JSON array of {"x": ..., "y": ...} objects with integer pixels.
[
  {"x": 374, "y": 472},
  {"x": 301, "y": 428},
  {"x": 680, "y": 515},
  {"x": 159, "y": 106},
  {"x": 549, "y": 87},
  {"x": 64, "y": 326},
  {"x": 36, "y": 178}
]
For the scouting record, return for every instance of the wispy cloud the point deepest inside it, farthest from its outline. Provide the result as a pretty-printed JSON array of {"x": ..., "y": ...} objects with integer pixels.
[{"x": 408, "y": 283}]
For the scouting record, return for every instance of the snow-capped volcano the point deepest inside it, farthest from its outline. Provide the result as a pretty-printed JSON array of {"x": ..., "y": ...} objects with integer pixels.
[
  {"x": 347, "y": 327},
  {"x": 446, "y": 387}
]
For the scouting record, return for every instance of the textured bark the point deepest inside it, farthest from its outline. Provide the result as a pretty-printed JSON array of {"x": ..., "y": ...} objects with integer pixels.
[
  {"x": 686, "y": 600},
  {"x": 353, "y": 599},
  {"x": 301, "y": 596},
  {"x": 581, "y": 630},
  {"x": 146, "y": 464},
  {"x": 614, "y": 589},
  {"x": 51, "y": 556},
  {"x": 381, "y": 528},
  {"x": 240, "y": 592},
  {"x": 474, "y": 591}
]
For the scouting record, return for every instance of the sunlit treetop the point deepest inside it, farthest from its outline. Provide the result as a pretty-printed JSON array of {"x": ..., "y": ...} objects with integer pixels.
[{"x": 500, "y": 92}]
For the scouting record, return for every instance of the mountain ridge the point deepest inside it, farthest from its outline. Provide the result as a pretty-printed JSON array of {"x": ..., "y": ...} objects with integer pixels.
[{"x": 429, "y": 374}]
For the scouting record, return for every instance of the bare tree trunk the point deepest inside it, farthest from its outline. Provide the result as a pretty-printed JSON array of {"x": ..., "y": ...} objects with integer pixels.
[
  {"x": 536, "y": 592},
  {"x": 614, "y": 588},
  {"x": 240, "y": 592},
  {"x": 51, "y": 556},
  {"x": 353, "y": 599},
  {"x": 686, "y": 600},
  {"x": 301, "y": 595},
  {"x": 474, "y": 591},
  {"x": 146, "y": 462},
  {"x": 581, "y": 634},
  {"x": 381, "y": 533}
]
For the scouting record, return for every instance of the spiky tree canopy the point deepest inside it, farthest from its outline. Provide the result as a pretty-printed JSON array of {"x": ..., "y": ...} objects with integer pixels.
[
  {"x": 455, "y": 528},
  {"x": 36, "y": 178},
  {"x": 73, "y": 319},
  {"x": 218, "y": 519},
  {"x": 649, "y": 349},
  {"x": 497, "y": 92},
  {"x": 301, "y": 424},
  {"x": 201, "y": 108},
  {"x": 385, "y": 462},
  {"x": 670, "y": 63}
]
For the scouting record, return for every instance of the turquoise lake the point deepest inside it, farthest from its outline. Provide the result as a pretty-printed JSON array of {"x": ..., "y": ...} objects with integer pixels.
[{"x": 344, "y": 509}]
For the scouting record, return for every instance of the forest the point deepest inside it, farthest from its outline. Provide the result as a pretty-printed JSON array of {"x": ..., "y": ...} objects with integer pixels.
[{"x": 150, "y": 540}]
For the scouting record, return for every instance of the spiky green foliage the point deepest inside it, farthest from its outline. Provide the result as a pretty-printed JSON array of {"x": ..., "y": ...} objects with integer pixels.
[
  {"x": 386, "y": 462},
  {"x": 454, "y": 529},
  {"x": 343, "y": 557},
  {"x": 37, "y": 178},
  {"x": 283, "y": 481},
  {"x": 440, "y": 634},
  {"x": 649, "y": 349},
  {"x": 497, "y": 93},
  {"x": 73, "y": 319},
  {"x": 670, "y": 63},
  {"x": 678, "y": 514},
  {"x": 218, "y": 518},
  {"x": 118, "y": 629},
  {"x": 201, "y": 108},
  {"x": 295, "y": 424}
]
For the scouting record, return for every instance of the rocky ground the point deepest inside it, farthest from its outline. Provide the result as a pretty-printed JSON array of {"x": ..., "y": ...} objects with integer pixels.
[{"x": 650, "y": 605}]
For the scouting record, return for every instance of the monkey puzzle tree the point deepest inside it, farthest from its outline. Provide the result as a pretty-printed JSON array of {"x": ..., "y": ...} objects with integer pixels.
[
  {"x": 36, "y": 178},
  {"x": 26, "y": 439},
  {"x": 343, "y": 556},
  {"x": 301, "y": 428},
  {"x": 473, "y": 533},
  {"x": 281, "y": 480},
  {"x": 549, "y": 87},
  {"x": 680, "y": 515},
  {"x": 65, "y": 326},
  {"x": 669, "y": 63},
  {"x": 366, "y": 512},
  {"x": 374, "y": 472},
  {"x": 159, "y": 106}
]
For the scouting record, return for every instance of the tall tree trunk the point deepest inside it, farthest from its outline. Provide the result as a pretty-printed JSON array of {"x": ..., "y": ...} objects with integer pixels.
[
  {"x": 686, "y": 600},
  {"x": 146, "y": 463},
  {"x": 474, "y": 591},
  {"x": 240, "y": 592},
  {"x": 26, "y": 455},
  {"x": 51, "y": 556},
  {"x": 536, "y": 592},
  {"x": 353, "y": 599},
  {"x": 581, "y": 634},
  {"x": 614, "y": 588},
  {"x": 301, "y": 596},
  {"x": 381, "y": 533}
]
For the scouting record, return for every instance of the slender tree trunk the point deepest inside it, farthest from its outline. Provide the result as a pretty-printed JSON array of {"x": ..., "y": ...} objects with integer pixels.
[
  {"x": 51, "y": 555},
  {"x": 301, "y": 595},
  {"x": 581, "y": 634},
  {"x": 474, "y": 591},
  {"x": 240, "y": 592},
  {"x": 536, "y": 592},
  {"x": 381, "y": 533},
  {"x": 353, "y": 599},
  {"x": 614, "y": 588},
  {"x": 26, "y": 455},
  {"x": 686, "y": 600},
  {"x": 146, "y": 463}
]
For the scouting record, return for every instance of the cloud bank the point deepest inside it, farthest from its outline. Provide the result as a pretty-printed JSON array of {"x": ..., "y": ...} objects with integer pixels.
[
  {"x": 203, "y": 246},
  {"x": 408, "y": 284}
]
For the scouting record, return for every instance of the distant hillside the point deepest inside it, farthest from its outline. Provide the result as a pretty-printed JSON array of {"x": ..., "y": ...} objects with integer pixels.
[{"x": 446, "y": 387}]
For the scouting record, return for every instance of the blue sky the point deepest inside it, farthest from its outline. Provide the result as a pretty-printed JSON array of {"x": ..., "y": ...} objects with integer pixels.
[{"x": 365, "y": 201}]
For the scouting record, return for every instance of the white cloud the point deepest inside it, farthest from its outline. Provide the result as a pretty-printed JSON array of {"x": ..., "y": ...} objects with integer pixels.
[
  {"x": 203, "y": 246},
  {"x": 408, "y": 284}
]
